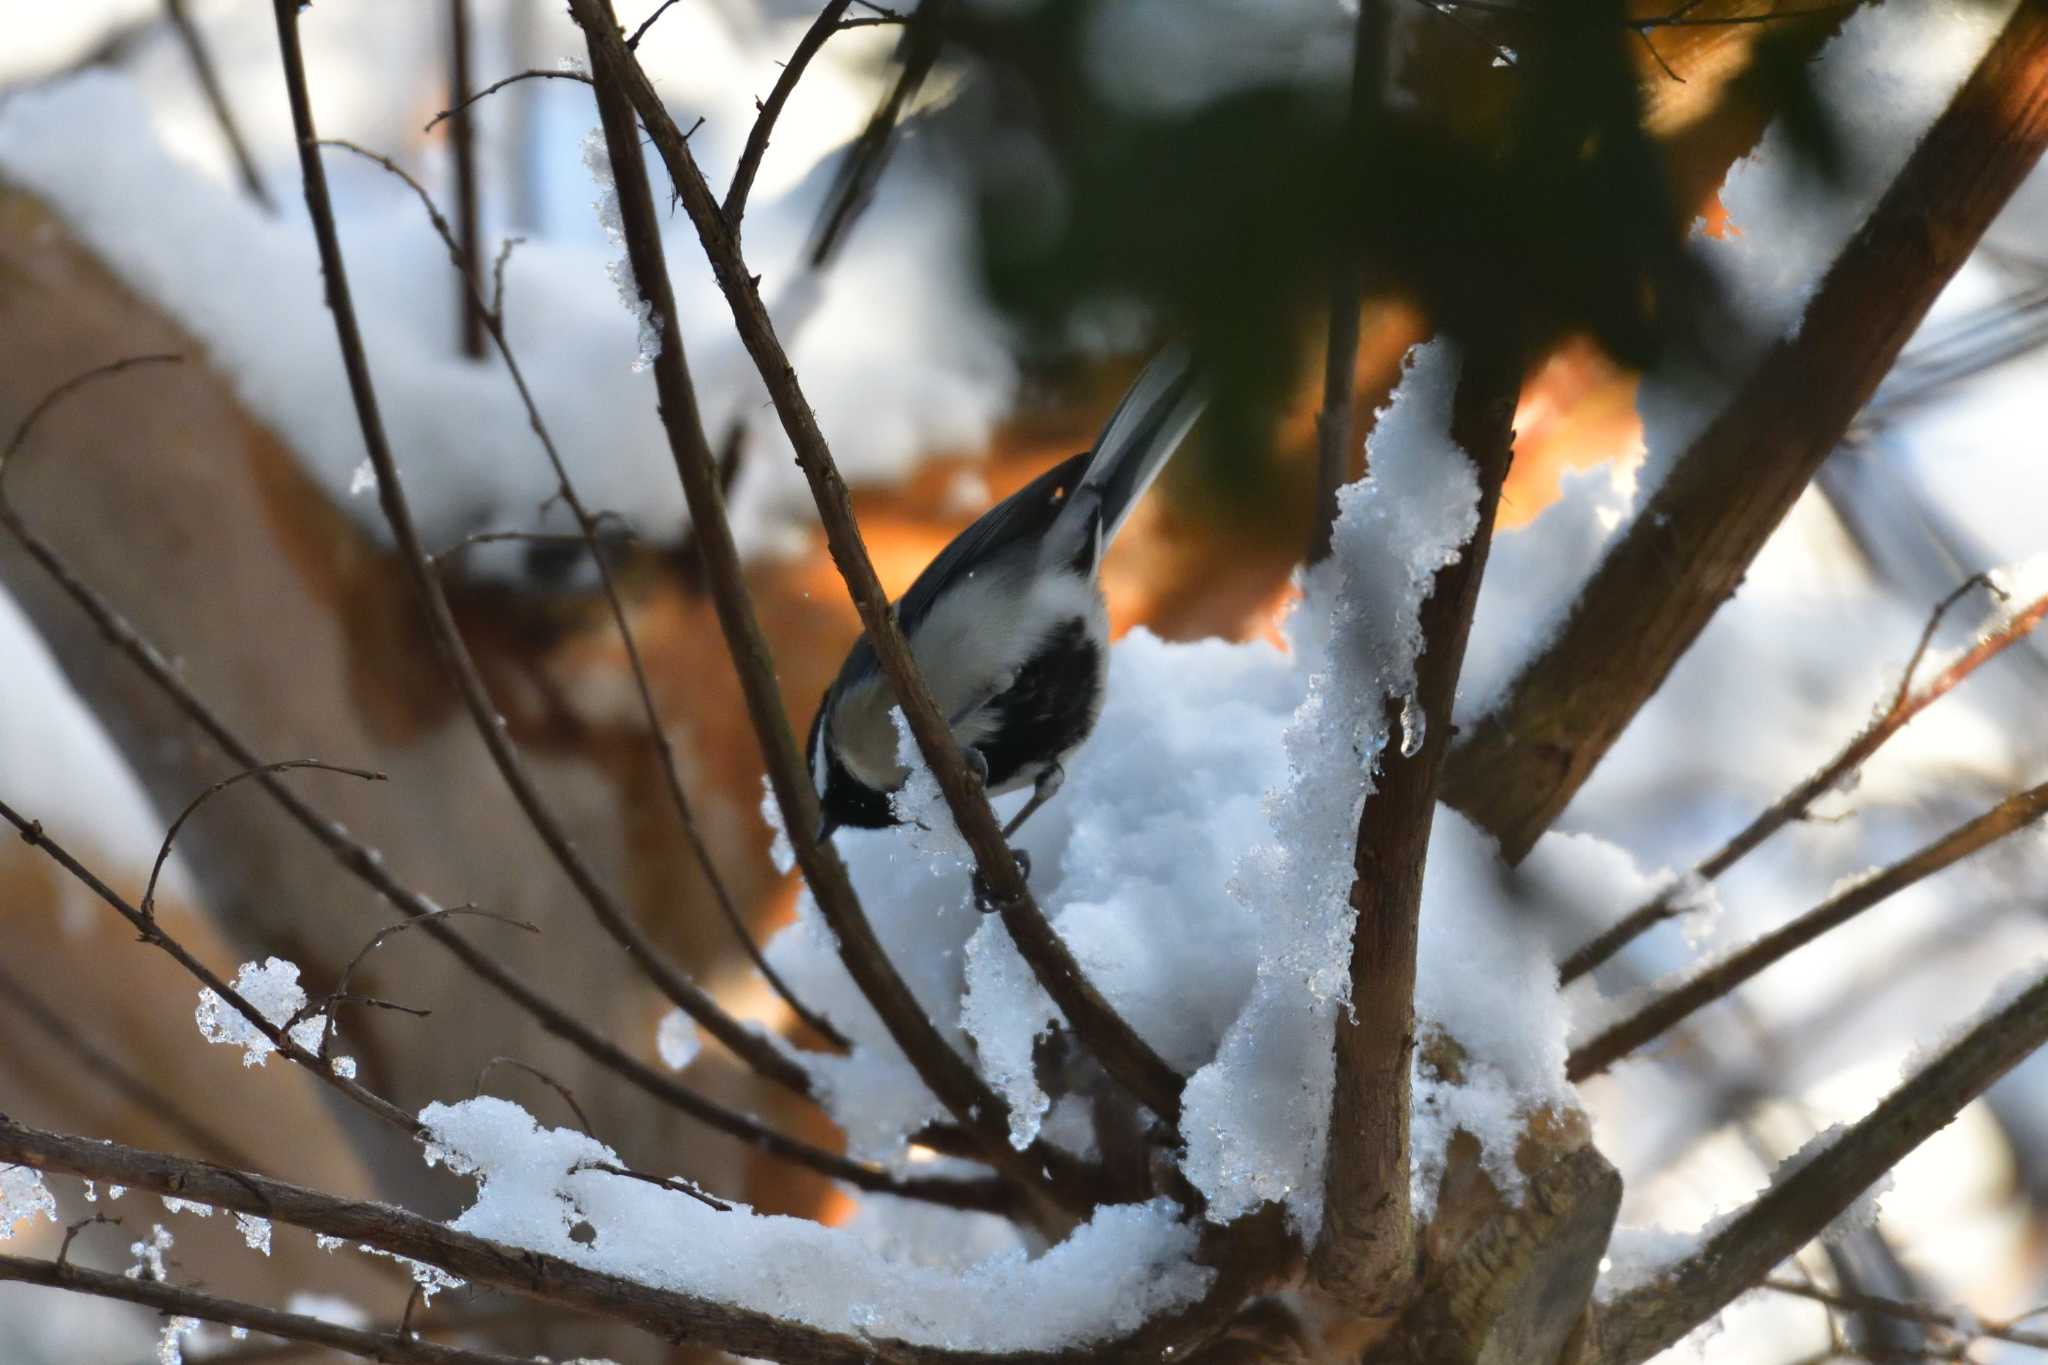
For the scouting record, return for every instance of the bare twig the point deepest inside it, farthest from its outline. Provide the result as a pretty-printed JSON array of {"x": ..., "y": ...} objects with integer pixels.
[
  {"x": 862, "y": 167},
  {"x": 1710, "y": 984},
  {"x": 749, "y": 1046},
  {"x": 1122, "y": 1052},
  {"x": 194, "y": 44},
  {"x": 152, "y": 932},
  {"x": 1366, "y": 1251},
  {"x": 587, "y": 532},
  {"x": 666, "y": 1182},
  {"x": 1969, "y": 1328},
  {"x": 115, "y": 1074},
  {"x": 398, "y": 1346},
  {"x": 633, "y": 43},
  {"x": 1334, "y": 426},
  {"x": 1797, "y": 803},
  {"x": 536, "y": 74},
  {"x": 821, "y": 28},
  {"x": 163, "y": 852},
  {"x": 364, "y": 863},
  {"x": 1687, "y": 549},
  {"x": 568, "y": 1095},
  {"x": 71, "y": 386},
  {"x": 462, "y": 133},
  {"x": 1645, "y": 1320}
]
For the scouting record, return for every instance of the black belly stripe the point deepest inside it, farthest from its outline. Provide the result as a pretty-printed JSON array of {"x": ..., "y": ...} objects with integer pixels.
[{"x": 1051, "y": 706}]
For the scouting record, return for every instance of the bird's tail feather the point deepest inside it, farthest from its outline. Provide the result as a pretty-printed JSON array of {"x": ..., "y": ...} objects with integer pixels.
[{"x": 1141, "y": 435}]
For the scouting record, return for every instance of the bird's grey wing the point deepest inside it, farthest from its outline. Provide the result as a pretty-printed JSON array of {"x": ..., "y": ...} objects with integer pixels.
[{"x": 1018, "y": 520}]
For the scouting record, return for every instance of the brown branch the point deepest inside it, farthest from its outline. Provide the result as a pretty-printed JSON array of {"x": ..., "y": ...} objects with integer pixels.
[
  {"x": 163, "y": 852},
  {"x": 1122, "y": 1052},
  {"x": 807, "y": 47},
  {"x": 405, "y": 1348},
  {"x": 621, "y": 89},
  {"x": 1366, "y": 1252},
  {"x": 862, "y": 167},
  {"x": 2014, "y": 813},
  {"x": 568, "y": 1095},
  {"x": 493, "y": 320},
  {"x": 1794, "y": 805},
  {"x": 113, "y": 1073},
  {"x": 1334, "y": 425},
  {"x": 633, "y": 43},
  {"x": 666, "y": 1182},
  {"x": 153, "y": 933},
  {"x": 757, "y": 1051},
  {"x": 536, "y": 74},
  {"x": 462, "y": 133},
  {"x": 194, "y": 44},
  {"x": 1687, "y": 550},
  {"x": 1645, "y": 1320},
  {"x": 669, "y": 1314},
  {"x": 70, "y": 386},
  {"x": 368, "y": 866},
  {"x": 1971, "y": 1329}
]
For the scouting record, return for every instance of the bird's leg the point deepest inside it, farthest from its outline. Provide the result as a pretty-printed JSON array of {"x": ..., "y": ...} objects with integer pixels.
[{"x": 1042, "y": 791}]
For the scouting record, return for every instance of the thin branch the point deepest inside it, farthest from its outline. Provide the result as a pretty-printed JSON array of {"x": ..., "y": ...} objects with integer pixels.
[
  {"x": 821, "y": 28},
  {"x": 669, "y": 1314},
  {"x": 1126, "y": 1056},
  {"x": 368, "y": 866},
  {"x": 1334, "y": 425},
  {"x": 71, "y": 386},
  {"x": 587, "y": 529},
  {"x": 538, "y": 73},
  {"x": 1688, "y": 547},
  {"x": 194, "y": 44},
  {"x": 163, "y": 851},
  {"x": 666, "y": 1182},
  {"x": 1969, "y": 1328},
  {"x": 864, "y": 161},
  {"x": 172, "y": 1300},
  {"x": 752, "y": 1048},
  {"x": 1796, "y": 804},
  {"x": 1645, "y": 1320},
  {"x": 633, "y": 43},
  {"x": 1366, "y": 1253},
  {"x": 462, "y": 133},
  {"x": 568, "y": 1095},
  {"x": 153, "y": 933},
  {"x": 113, "y": 1073},
  {"x": 1710, "y": 984}
]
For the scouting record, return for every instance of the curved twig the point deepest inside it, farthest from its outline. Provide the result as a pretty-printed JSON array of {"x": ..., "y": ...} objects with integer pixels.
[
  {"x": 822, "y": 27},
  {"x": 536, "y": 74},
  {"x": 587, "y": 528},
  {"x": 163, "y": 852},
  {"x": 1905, "y": 705},
  {"x": 2014, "y": 813}
]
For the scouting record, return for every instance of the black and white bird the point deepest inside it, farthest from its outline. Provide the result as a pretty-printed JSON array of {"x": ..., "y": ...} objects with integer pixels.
[{"x": 1008, "y": 624}]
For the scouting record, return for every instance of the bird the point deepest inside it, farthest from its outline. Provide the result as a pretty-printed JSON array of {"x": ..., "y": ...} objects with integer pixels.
[{"x": 1008, "y": 622}]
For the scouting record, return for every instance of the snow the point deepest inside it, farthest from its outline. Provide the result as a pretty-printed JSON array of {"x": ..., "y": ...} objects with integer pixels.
[
  {"x": 170, "y": 1348},
  {"x": 22, "y": 1196},
  {"x": 255, "y": 1231},
  {"x": 58, "y": 765},
  {"x": 901, "y": 355},
  {"x": 677, "y": 1040},
  {"x": 272, "y": 988},
  {"x": 1126, "y": 1264},
  {"x": 330, "y": 1308},
  {"x": 149, "y": 1255}
]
